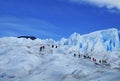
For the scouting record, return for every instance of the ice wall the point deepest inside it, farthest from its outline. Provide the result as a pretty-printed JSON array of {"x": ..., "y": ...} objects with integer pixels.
[{"x": 103, "y": 40}]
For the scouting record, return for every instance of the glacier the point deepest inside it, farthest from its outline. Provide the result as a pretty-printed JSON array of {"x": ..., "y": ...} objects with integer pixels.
[
  {"x": 22, "y": 60},
  {"x": 104, "y": 40}
]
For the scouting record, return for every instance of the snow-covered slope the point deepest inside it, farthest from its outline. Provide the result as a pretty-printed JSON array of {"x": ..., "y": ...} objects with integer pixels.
[{"x": 27, "y": 60}]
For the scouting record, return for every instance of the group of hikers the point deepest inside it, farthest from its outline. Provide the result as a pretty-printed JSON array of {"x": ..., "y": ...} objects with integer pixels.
[
  {"x": 91, "y": 58},
  {"x": 43, "y": 47}
]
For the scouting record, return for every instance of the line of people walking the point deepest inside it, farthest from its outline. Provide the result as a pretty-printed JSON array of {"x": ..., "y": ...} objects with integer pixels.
[{"x": 103, "y": 61}]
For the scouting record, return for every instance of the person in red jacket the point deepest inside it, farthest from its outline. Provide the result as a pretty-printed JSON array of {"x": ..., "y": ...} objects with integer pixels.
[{"x": 94, "y": 59}]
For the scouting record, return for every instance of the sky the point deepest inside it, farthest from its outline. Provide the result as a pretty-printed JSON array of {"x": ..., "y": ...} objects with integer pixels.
[{"x": 57, "y": 18}]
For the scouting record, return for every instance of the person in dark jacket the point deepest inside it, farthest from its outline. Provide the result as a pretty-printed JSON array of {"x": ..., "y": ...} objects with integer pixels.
[
  {"x": 52, "y": 46},
  {"x": 74, "y": 55},
  {"x": 84, "y": 56},
  {"x": 56, "y": 46},
  {"x": 42, "y": 48},
  {"x": 89, "y": 57},
  {"x": 79, "y": 55},
  {"x": 104, "y": 61},
  {"x": 99, "y": 61}
]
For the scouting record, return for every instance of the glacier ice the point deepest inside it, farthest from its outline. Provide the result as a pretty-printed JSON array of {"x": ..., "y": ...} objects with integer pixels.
[
  {"x": 22, "y": 60},
  {"x": 104, "y": 40}
]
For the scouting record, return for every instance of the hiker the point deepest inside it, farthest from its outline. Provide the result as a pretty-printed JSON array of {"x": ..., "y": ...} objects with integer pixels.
[
  {"x": 84, "y": 56},
  {"x": 52, "y": 46},
  {"x": 43, "y": 47},
  {"x": 79, "y": 55},
  {"x": 28, "y": 46},
  {"x": 99, "y": 61},
  {"x": 94, "y": 59},
  {"x": 56, "y": 46},
  {"x": 74, "y": 55},
  {"x": 89, "y": 57},
  {"x": 40, "y": 48},
  {"x": 104, "y": 61}
]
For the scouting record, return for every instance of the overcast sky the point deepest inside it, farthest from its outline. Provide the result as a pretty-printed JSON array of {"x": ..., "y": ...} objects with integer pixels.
[{"x": 57, "y": 18}]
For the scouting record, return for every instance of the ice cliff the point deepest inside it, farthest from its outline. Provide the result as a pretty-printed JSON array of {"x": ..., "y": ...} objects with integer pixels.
[{"x": 103, "y": 40}]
